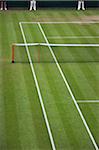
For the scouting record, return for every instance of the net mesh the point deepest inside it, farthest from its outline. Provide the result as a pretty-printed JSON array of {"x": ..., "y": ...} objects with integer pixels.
[{"x": 65, "y": 53}]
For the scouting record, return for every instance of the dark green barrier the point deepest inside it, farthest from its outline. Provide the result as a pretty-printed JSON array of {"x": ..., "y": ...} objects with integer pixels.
[{"x": 56, "y": 4}]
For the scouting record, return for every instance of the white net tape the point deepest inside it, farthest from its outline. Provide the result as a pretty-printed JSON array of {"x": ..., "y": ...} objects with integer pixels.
[{"x": 56, "y": 45}]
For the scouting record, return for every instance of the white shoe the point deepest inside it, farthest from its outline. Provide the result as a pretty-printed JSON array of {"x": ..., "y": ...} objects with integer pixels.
[
  {"x": 5, "y": 8},
  {"x": 83, "y": 8},
  {"x": 1, "y": 8},
  {"x": 78, "y": 9}
]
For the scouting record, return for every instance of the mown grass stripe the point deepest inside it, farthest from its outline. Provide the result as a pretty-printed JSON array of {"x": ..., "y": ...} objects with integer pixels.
[{"x": 11, "y": 124}]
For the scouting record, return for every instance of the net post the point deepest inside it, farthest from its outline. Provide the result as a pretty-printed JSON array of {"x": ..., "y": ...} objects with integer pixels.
[{"x": 13, "y": 47}]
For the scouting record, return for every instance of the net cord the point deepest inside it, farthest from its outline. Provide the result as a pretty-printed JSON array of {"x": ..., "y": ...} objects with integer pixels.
[{"x": 56, "y": 45}]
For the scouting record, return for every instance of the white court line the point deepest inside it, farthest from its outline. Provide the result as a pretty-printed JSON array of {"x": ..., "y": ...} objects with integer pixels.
[
  {"x": 73, "y": 37},
  {"x": 65, "y": 22},
  {"x": 38, "y": 90},
  {"x": 69, "y": 89},
  {"x": 87, "y": 101}
]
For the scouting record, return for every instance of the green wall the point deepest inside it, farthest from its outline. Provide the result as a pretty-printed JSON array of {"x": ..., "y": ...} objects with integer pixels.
[{"x": 41, "y": 4}]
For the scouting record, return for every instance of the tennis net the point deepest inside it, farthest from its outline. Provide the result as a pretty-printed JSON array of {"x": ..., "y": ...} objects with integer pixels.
[{"x": 65, "y": 53}]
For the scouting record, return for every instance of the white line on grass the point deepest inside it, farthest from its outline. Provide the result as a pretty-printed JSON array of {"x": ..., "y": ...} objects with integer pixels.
[
  {"x": 69, "y": 89},
  {"x": 38, "y": 90},
  {"x": 65, "y": 22},
  {"x": 87, "y": 101},
  {"x": 73, "y": 37}
]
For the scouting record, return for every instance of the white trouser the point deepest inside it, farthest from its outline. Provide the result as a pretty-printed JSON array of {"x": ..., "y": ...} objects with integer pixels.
[
  {"x": 33, "y": 4},
  {"x": 81, "y": 5}
]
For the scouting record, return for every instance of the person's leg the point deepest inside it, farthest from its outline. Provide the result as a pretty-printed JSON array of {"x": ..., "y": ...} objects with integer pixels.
[
  {"x": 31, "y": 5},
  {"x": 79, "y": 5},
  {"x": 5, "y": 5},
  {"x": 83, "y": 8},
  {"x": 1, "y": 5},
  {"x": 34, "y": 7}
]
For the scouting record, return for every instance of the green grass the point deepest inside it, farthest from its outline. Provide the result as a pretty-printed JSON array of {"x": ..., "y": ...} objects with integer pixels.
[{"x": 22, "y": 124}]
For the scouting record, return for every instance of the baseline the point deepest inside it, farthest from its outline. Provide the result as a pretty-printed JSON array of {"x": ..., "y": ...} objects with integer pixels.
[{"x": 65, "y": 22}]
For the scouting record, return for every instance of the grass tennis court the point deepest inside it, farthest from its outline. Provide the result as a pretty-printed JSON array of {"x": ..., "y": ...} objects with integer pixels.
[{"x": 49, "y": 98}]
